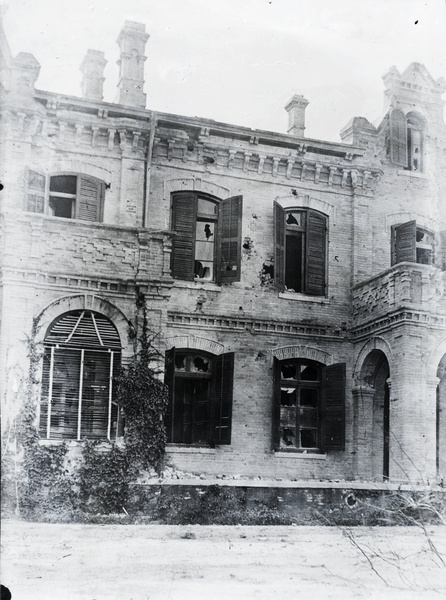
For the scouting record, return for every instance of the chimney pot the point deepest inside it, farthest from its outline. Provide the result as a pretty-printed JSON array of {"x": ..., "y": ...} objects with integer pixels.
[
  {"x": 92, "y": 69},
  {"x": 296, "y": 115},
  {"x": 132, "y": 42}
]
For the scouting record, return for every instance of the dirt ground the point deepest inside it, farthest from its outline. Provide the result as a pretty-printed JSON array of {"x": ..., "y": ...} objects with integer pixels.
[{"x": 162, "y": 562}]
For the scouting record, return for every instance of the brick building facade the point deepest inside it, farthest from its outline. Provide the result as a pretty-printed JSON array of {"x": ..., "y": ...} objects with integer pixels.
[{"x": 296, "y": 286}]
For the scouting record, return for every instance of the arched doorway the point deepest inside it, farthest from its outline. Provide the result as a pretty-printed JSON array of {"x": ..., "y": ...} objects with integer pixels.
[
  {"x": 441, "y": 419},
  {"x": 375, "y": 383}
]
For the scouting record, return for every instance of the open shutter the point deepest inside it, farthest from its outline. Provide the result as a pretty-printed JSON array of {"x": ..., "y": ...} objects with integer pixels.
[
  {"x": 333, "y": 407},
  {"x": 276, "y": 406},
  {"x": 398, "y": 137},
  {"x": 90, "y": 199},
  {"x": 169, "y": 380},
  {"x": 316, "y": 250},
  {"x": 35, "y": 192},
  {"x": 404, "y": 239},
  {"x": 229, "y": 239},
  {"x": 221, "y": 401},
  {"x": 184, "y": 217},
  {"x": 279, "y": 246}
]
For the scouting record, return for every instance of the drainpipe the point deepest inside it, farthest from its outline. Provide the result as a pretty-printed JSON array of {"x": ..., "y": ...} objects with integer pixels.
[{"x": 148, "y": 170}]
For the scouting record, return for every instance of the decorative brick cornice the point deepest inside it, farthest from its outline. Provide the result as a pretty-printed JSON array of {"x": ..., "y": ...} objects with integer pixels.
[
  {"x": 397, "y": 319},
  {"x": 252, "y": 325}
]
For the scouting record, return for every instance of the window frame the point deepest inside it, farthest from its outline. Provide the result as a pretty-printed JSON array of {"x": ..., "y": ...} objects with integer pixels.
[
  {"x": 219, "y": 397},
  {"x": 405, "y": 246},
  {"x": 401, "y": 131},
  {"x": 330, "y": 407},
  {"x": 86, "y": 399},
  {"x": 314, "y": 262},
  {"x": 87, "y": 203},
  {"x": 227, "y": 236}
]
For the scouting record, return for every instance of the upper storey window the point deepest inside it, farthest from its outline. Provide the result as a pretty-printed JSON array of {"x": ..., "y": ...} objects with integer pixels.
[
  {"x": 407, "y": 140},
  {"x": 412, "y": 244},
  {"x": 67, "y": 196},
  {"x": 300, "y": 250},
  {"x": 207, "y": 240}
]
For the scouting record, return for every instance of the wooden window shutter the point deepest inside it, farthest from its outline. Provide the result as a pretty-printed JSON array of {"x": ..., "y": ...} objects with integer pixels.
[
  {"x": 279, "y": 246},
  {"x": 276, "y": 405},
  {"x": 398, "y": 137},
  {"x": 333, "y": 407},
  {"x": 90, "y": 199},
  {"x": 229, "y": 249},
  {"x": 184, "y": 216},
  {"x": 404, "y": 242},
  {"x": 169, "y": 380},
  {"x": 315, "y": 256},
  {"x": 36, "y": 192},
  {"x": 221, "y": 400}
]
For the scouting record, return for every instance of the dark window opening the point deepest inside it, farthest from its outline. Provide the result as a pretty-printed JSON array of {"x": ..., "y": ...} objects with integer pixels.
[
  {"x": 412, "y": 244},
  {"x": 207, "y": 240},
  {"x": 200, "y": 397}
]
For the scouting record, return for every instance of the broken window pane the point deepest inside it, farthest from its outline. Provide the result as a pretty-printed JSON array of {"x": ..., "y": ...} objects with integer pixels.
[
  {"x": 308, "y": 438},
  {"x": 180, "y": 362},
  {"x": 288, "y": 371},
  {"x": 200, "y": 364},
  {"x": 309, "y": 373},
  {"x": 309, "y": 397},
  {"x": 288, "y": 396}
]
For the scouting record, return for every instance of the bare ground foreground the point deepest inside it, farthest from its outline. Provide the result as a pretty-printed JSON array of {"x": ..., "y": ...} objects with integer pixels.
[{"x": 164, "y": 562}]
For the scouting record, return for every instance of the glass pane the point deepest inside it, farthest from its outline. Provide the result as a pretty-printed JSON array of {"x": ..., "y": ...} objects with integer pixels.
[
  {"x": 206, "y": 207},
  {"x": 296, "y": 218},
  {"x": 308, "y": 438},
  {"x": 200, "y": 364},
  {"x": 61, "y": 207},
  {"x": 63, "y": 183},
  {"x": 180, "y": 362},
  {"x": 308, "y": 417},
  {"x": 205, "y": 231},
  {"x": 287, "y": 396},
  {"x": 203, "y": 270},
  {"x": 204, "y": 251},
  {"x": 309, "y": 397},
  {"x": 288, "y": 437},
  {"x": 309, "y": 373},
  {"x": 288, "y": 371}
]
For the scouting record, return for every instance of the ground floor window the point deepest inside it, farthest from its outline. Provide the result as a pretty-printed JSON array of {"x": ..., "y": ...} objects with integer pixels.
[
  {"x": 309, "y": 406},
  {"x": 200, "y": 397},
  {"x": 80, "y": 362}
]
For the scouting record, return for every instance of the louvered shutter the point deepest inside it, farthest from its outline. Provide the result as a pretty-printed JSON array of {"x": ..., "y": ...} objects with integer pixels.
[
  {"x": 316, "y": 251},
  {"x": 169, "y": 380},
  {"x": 404, "y": 238},
  {"x": 279, "y": 246},
  {"x": 398, "y": 137},
  {"x": 35, "y": 192},
  {"x": 221, "y": 399},
  {"x": 229, "y": 239},
  {"x": 333, "y": 407},
  {"x": 90, "y": 199},
  {"x": 184, "y": 217},
  {"x": 276, "y": 406}
]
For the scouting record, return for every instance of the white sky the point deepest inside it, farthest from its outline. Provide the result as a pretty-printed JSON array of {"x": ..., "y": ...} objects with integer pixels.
[{"x": 239, "y": 61}]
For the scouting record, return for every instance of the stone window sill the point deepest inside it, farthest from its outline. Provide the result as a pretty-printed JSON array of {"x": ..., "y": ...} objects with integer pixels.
[
  {"x": 196, "y": 449},
  {"x": 415, "y": 174},
  {"x": 296, "y": 455},
  {"x": 197, "y": 285},
  {"x": 303, "y": 298}
]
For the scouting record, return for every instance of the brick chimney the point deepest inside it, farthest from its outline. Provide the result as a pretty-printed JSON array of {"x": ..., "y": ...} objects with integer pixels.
[
  {"x": 132, "y": 41},
  {"x": 296, "y": 115},
  {"x": 92, "y": 69}
]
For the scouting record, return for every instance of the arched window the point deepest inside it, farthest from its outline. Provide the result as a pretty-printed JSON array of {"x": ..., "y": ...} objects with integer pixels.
[
  {"x": 207, "y": 240},
  {"x": 82, "y": 352},
  {"x": 407, "y": 140},
  {"x": 309, "y": 406},
  {"x": 300, "y": 250},
  {"x": 69, "y": 196},
  {"x": 200, "y": 397}
]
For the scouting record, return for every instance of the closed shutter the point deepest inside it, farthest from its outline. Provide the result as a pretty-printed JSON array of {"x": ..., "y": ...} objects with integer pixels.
[
  {"x": 184, "y": 216},
  {"x": 35, "y": 192},
  {"x": 333, "y": 407},
  {"x": 221, "y": 399},
  {"x": 90, "y": 199},
  {"x": 279, "y": 246},
  {"x": 316, "y": 250},
  {"x": 169, "y": 380},
  {"x": 398, "y": 138},
  {"x": 404, "y": 239},
  {"x": 229, "y": 239},
  {"x": 276, "y": 406}
]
